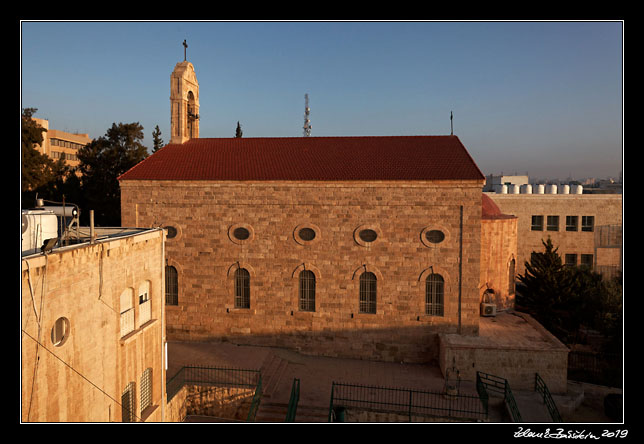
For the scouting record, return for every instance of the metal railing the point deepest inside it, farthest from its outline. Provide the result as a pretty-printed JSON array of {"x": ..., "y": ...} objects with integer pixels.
[
  {"x": 218, "y": 377},
  {"x": 541, "y": 387},
  {"x": 595, "y": 368},
  {"x": 485, "y": 381},
  {"x": 211, "y": 376},
  {"x": 257, "y": 398},
  {"x": 293, "y": 401},
  {"x": 405, "y": 402}
]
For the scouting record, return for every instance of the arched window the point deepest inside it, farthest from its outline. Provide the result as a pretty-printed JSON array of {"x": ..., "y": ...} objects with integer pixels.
[
  {"x": 171, "y": 286},
  {"x": 434, "y": 292},
  {"x": 307, "y": 290},
  {"x": 368, "y": 292},
  {"x": 511, "y": 277},
  {"x": 242, "y": 288}
]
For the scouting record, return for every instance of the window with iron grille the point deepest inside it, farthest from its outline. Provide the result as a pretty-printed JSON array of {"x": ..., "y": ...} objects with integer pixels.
[
  {"x": 171, "y": 285},
  {"x": 552, "y": 223},
  {"x": 587, "y": 223},
  {"x": 146, "y": 389},
  {"x": 307, "y": 290},
  {"x": 571, "y": 223},
  {"x": 242, "y": 288},
  {"x": 127, "y": 404},
  {"x": 434, "y": 295},
  {"x": 368, "y": 292}
]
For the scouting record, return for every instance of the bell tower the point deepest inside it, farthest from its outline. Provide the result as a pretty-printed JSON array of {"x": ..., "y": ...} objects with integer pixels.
[{"x": 184, "y": 102}]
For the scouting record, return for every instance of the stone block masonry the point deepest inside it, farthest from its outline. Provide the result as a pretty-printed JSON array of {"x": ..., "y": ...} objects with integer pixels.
[{"x": 206, "y": 255}]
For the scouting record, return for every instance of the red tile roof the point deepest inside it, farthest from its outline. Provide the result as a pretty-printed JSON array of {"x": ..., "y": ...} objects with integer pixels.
[
  {"x": 311, "y": 158},
  {"x": 490, "y": 210}
]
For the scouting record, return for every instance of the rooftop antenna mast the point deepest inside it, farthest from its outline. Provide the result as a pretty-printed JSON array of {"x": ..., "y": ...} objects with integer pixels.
[{"x": 307, "y": 121}]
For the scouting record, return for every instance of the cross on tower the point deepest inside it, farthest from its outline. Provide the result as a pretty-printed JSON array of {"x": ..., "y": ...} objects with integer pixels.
[{"x": 185, "y": 46}]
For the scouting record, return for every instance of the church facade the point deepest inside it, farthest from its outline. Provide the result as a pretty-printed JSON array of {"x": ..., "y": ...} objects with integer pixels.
[{"x": 360, "y": 247}]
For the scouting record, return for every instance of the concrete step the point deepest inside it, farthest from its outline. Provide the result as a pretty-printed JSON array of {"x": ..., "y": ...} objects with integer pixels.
[
  {"x": 532, "y": 407},
  {"x": 272, "y": 370},
  {"x": 276, "y": 412}
]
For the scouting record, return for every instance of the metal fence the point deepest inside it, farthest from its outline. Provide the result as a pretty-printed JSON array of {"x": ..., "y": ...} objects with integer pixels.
[
  {"x": 405, "y": 402},
  {"x": 211, "y": 376},
  {"x": 595, "y": 368},
  {"x": 218, "y": 377},
  {"x": 293, "y": 401},
  {"x": 485, "y": 382},
  {"x": 541, "y": 387}
]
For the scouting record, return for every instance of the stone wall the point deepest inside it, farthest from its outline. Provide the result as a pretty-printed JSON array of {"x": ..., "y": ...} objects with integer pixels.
[
  {"x": 498, "y": 250},
  {"x": 516, "y": 359},
  {"x": 230, "y": 403},
  {"x": 206, "y": 256}
]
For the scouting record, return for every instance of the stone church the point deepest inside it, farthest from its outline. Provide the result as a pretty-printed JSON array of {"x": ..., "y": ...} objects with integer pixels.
[{"x": 359, "y": 247}]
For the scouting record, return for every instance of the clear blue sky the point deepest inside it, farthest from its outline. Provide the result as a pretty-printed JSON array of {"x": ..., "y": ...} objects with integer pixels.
[{"x": 539, "y": 97}]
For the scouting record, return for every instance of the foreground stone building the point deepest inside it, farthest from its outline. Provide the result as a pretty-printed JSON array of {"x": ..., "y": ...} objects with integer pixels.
[
  {"x": 363, "y": 247},
  {"x": 93, "y": 333}
]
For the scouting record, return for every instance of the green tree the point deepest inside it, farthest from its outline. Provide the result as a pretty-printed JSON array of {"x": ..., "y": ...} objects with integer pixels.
[
  {"x": 101, "y": 162},
  {"x": 544, "y": 290},
  {"x": 40, "y": 174},
  {"x": 156, "y": 139},
  {"x": 565, "y": 298},
  {"x": 238, "y": 131}
]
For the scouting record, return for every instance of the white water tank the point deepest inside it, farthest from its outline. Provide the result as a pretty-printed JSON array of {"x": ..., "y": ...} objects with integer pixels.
[
  {"x": 565, "y": 189},
  {"x": 578, "y": 189},
  {"x": 540, "y": 189},
  {"x": 513, "y": 189},
  {"x": 526, "y": 188},
  {"x": 37, "y": 227},
  {"x": 501, "y": 189},
  {"x": 551, "y": 189}
]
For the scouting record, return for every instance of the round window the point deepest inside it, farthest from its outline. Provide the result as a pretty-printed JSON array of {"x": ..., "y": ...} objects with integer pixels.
[
  {"x": 435, "y": 236},
  {"x": 172, "y": 232},
  {"x": 368, "y": 235},
  {"x": 241, "y": 233},
  {"x": 60, "y": 331},
  {"x": 307, "y": 234}
]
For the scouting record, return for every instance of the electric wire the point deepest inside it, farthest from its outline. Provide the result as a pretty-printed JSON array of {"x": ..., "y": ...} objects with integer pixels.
[{"x": 77, "y": 372}]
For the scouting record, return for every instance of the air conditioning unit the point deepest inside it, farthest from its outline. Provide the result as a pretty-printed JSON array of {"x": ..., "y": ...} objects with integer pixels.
[{"x": 488, "y": 309}]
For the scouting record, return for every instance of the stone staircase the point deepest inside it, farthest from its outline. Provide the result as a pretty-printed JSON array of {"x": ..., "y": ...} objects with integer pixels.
[
  {"x": 272, "y": 371},
  {"x": 273, "y": 408},
  {"x": 532, "y": 407},
  {"x": 276, "y": 412}
]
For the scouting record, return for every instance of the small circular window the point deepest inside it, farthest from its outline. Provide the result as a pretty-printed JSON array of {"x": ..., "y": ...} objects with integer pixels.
[
  {"x": 241, "y": 233},
  {"x": 172, "y": 232},
  {"x": 60, "y": 331},
  {"x": 307, "y": 234},
  {"x": 368, "y": 235},
  {"x": 435, "y": 236}
]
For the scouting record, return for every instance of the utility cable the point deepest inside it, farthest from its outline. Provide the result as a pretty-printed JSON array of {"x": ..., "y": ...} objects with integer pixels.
[{"x": 78, "y": 373}]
